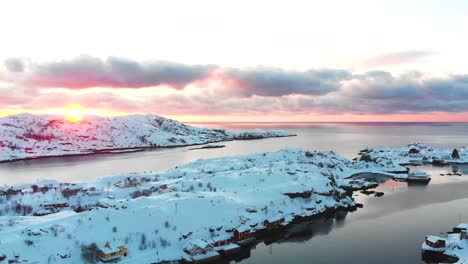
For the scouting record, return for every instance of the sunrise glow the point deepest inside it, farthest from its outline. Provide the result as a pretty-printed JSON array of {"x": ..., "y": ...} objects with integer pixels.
[{"x": 74, "y": 113}]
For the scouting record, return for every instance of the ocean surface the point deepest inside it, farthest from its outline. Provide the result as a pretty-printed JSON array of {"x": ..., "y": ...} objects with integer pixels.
[{"x": 389, "y": 229}]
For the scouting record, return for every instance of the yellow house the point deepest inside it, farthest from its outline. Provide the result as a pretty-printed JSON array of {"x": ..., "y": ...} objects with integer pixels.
[{"x": 109, "y": 253}]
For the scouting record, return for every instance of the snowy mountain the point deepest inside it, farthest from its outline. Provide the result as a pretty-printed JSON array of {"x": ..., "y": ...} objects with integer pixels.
[{"x": 29, "y": 136}]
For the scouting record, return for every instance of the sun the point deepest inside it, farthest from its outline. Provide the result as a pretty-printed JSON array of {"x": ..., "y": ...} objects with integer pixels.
[{"x": 74, "y": 112}]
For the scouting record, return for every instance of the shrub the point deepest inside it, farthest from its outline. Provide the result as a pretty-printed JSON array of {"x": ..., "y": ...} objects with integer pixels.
[{"x": 89, "y": 253}]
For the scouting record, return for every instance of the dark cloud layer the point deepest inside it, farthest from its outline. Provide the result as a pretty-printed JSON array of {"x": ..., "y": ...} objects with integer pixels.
[
  {"x": 278, "y": 82},
  {"x": 14, "y": 65},
  {"x": 86, "y": 72}
]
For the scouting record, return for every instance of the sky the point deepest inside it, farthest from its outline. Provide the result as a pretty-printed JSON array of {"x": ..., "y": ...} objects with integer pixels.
[{"x": 202, "y": 61}]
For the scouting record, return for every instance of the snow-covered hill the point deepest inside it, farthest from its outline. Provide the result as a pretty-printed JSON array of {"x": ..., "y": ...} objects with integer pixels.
[
  {"x": 29, "y": 136},
  {"x": 155, "y": 215}
]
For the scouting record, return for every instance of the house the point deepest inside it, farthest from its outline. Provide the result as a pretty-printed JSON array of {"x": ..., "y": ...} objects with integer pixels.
[
  {"x": 416, "y": 155},
  {"x": 11, "y": 192},
  {"x": 222, "y": 244},
  {"x": 198, "y": 246},
  {"x": 435, "y": 242},
  {"x": 273, "y": 222},
  {"x": 129, "y": 182},
  {"x": 242, "y": 233},
  {"x": 460, "y": 228},
  {"x": 57, "y": 205},
  {"x": 220, "y": 241},
  {"x": 108, "y": 253},
  {"x": 163, "y": 188},
  {"x": 42, "y": 212}
]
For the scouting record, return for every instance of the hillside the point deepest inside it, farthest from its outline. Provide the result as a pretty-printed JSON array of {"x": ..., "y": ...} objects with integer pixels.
[{"x": 26, "y": 136}]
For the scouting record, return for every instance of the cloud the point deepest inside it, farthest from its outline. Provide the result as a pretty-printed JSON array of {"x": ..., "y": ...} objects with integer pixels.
[
  {"x": 14, "y": 65},
  {"x": 214, "y": 90},
  {"x": 397, "y": 58},
  {"x": 278, "y": 82},
  {"x": 87, "y": 72}
]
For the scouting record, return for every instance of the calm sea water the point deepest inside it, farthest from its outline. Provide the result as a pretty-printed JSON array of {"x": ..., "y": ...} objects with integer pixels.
[
  {"x": 344, "y": 138},
  {"x": 389, "y": 229}
]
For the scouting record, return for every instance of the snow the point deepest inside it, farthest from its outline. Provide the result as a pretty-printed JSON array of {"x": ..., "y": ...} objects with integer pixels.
[
  {"x": 425, "y": 154},
  {"x": 433, "y": 239},
  {"x": 27, "y": 136},
  {"x": 204, "y": 199}
]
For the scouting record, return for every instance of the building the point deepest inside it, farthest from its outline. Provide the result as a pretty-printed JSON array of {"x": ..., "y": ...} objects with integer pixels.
[
  {"x": 108, "y": 253},
  {"x": 198, "y": 246},
  {"x": 273, "y": 222},
  {"x": 242, "y": 233},
  {"x": 220, "y": 241},
  {"x": 416, "y": 155},
  {"x": 57, "y": 205},
  {"x": 435, "y": 242}
]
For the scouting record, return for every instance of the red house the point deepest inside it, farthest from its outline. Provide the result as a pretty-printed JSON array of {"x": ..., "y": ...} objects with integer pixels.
[
  {"x": 435, "y": 242},
  {"x": 273, "y": 222},
  {"x": 242, "y": 233},
  {"x": 219, "y": 241}
]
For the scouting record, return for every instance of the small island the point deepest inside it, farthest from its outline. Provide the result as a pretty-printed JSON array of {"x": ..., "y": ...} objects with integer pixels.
[{"x": 28, "y": 136}]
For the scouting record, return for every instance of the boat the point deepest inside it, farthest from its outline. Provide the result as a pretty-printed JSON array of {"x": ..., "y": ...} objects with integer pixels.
[{"x": 418, "y": 177}]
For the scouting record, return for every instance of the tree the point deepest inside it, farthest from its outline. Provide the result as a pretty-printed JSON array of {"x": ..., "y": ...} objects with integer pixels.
[
  {"x": 89, "y": 253},
  {"x": 455, "y": 154},
  {"x": 413, "y": 151}
]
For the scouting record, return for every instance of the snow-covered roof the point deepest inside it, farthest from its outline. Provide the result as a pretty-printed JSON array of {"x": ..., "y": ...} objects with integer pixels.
[
  {"x": 434, "y": 239},
  {"x": 274, "y": 218},
  {"x": 243, "y": 229},
  {"x": 220, "y": 238},
  {"x": 199, "y": 243},
  {"x": 419, "y": 174},
  {"x": 109, "y": 250},
  {"x": 462, "y": 226}
]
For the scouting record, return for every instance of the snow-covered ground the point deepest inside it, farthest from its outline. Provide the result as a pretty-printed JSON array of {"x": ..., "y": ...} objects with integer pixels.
[
  {"x": 415, "y": 153},
  {"x": 156, "y": 214},
  {"x": 29, "y": 136}
]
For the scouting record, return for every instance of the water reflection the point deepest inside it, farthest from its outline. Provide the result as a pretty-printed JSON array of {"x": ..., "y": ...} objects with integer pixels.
[{"x": 389, "y": 229}]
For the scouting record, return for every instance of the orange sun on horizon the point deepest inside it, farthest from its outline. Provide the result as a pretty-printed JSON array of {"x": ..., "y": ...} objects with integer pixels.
[{"x": 74, "y": 113}]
